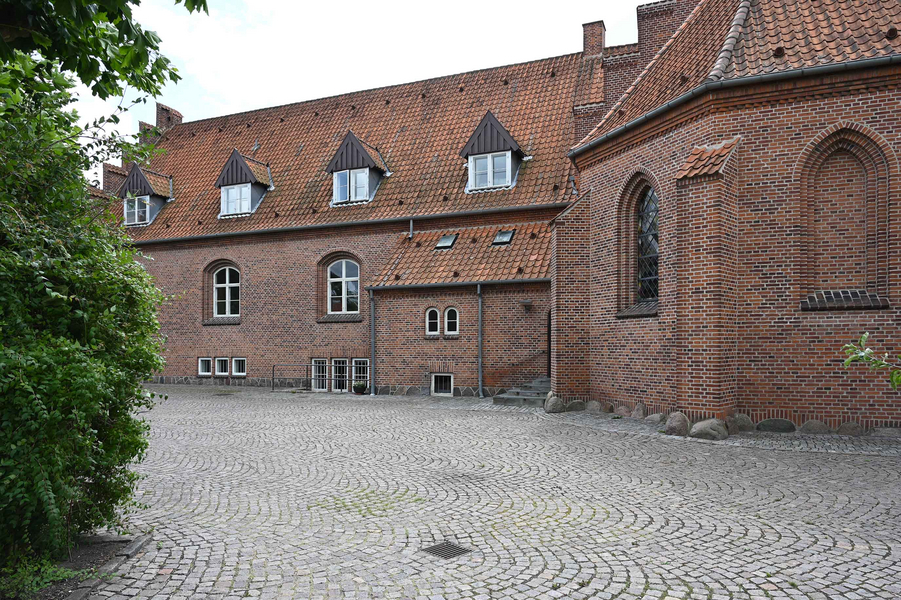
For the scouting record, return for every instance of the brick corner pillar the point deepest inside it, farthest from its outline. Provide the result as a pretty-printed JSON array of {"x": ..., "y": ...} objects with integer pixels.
[
  {"x": 706, "y": 306},
  {"x": 571, "y": 302}
]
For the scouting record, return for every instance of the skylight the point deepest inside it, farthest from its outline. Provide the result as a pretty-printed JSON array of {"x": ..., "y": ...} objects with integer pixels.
[
  {"x": 446, "y": 241},
  {"x": 503, "y": 237}
]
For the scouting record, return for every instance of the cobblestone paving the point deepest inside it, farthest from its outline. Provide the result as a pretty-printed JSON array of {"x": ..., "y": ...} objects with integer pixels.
[{"x": 274, "y": 495}]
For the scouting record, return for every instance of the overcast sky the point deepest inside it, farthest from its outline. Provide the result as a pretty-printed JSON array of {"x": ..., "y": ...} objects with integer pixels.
[{"x": 251, "y": 54}]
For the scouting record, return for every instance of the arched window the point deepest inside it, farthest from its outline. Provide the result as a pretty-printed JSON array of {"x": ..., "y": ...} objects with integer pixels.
[
  {"x": 344, "y": 287},
  {"x": 432, "y": 322},
  {"x": 451, "y": 321},
  {"x": 647, "y": 239},
  {"x": 227, "y": 292}
]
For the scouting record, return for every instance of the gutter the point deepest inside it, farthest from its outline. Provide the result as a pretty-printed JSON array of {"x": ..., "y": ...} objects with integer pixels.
[
  {"x": 731, "y": 83},
  {"x": 467, "y": 213},
  {"x": 419, "y": 286}
]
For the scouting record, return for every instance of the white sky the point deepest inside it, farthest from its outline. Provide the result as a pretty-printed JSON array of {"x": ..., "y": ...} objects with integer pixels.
[{"x": 251, "y": 54}]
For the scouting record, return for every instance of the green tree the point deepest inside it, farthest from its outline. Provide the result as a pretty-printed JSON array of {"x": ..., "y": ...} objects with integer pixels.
[
  {"x": 97, "y": 40},
  {"x": 78, "y": 322},
  {"x": 860, "y": 353}
]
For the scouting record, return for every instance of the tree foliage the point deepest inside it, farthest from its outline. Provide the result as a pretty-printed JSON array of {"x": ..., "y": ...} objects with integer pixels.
[
  {"x": 860, "y": 353},
  {"x": 78, "y": 322},
  {"x": 98, "y": 40}
]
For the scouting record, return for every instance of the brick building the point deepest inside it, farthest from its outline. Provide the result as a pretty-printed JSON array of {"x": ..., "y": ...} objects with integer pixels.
[{"x": 698, "y": 221}]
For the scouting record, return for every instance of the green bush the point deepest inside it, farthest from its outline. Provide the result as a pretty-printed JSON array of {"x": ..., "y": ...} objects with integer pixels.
[{"x": 78, "y": 324}]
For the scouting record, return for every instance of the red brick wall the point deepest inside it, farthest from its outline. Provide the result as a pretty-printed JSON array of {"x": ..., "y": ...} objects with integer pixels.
[{"x": 780, "y": 361}]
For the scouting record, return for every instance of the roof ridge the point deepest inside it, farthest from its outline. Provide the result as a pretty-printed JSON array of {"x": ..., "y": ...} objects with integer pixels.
[
  {"x": 628, "y": 93},
  {"x": 735, "y": 31}
]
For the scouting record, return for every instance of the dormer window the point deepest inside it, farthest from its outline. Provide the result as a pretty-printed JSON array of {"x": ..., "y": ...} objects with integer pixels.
[
  {"x": 235, "y": 199},
  {"x": 350, "y": 185},
  {"x": 489, "y": 170},
  {"x": 137, "y": 210}
]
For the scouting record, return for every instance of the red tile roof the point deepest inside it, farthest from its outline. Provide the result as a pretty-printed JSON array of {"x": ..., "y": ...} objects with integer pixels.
[
  {"x": 728, "y": 39},
  {"x": 417, "y": 129},
  {"x": 158, "y": 182},
  {"x": 259, "y": 170},
  {"x": 707, "y": 160},
  {"x": 472, "y": 258}
]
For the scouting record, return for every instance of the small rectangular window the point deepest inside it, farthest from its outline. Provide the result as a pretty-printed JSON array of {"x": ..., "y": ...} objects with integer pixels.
[
  {"x": 222, "y": 367},
  {"x": 235, "y": 199},
  {"x": 360, "y": 178},
  {"x": 489, "y": 170},
  {"x": 442, "y": 384},
  {"x": 503, "y": 238},
  {"x": 446, "y": 241},
  {"x": 239, "y": 367},
  {"x": 340, "y": 186},
  {"x": 204, "y": 367},
  {"x": 137, "y": 210},
  {"x": 320, "y": 375}
]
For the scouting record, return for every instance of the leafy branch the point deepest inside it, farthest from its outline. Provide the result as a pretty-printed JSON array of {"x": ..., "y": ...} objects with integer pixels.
[{"x": 860, "y": 353}]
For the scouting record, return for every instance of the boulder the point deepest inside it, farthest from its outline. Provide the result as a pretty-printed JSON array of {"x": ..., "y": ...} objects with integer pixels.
[
  {"x": 850, "y": 428},
  {"x": 593, "y": 406},
  {"x": 622, "y": 411},
  {"x": 776, "y": 426},
  {"x": 814, "y": 426},
  {"x": 677, "y": 424},
  {"x": 554, "y": 405},
  {"x": 549, "y": 396},
  {"x": 607, "y": 407},
  {"x": 639, "y": 411},
  {"x": 575, "y": 405},
  {"x": 711, "y": 429},
  {"x": 893, "y": 432},
  {"x": 743, "y": 422},
  {"x": 654, "y": 419}
]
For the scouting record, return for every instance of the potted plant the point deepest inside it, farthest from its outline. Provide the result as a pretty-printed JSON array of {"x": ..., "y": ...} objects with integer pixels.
[{"x": 359, "y": 387}]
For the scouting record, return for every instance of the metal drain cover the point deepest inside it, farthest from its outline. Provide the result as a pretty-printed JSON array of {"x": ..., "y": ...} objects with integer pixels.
[{"x": 447, "y": 550}]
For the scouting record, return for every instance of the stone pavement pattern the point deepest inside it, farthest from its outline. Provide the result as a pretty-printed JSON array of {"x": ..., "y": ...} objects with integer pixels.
[{"x": 278, "y": 495}]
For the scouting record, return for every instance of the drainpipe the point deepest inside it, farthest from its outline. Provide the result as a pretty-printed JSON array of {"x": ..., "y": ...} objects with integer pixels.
[
  {"x": 410, "y": 237},
  {"x": 371, "y": 343},
  {"x": 479, "y": 291}
]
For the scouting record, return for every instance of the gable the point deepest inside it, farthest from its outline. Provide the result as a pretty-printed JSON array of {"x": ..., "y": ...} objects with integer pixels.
[
  {"x": 350, "y": 155},
  {"x": 139, "y": 183},
  {"x": 238, "y": 170},
  {"x": 489, "y": 136}
]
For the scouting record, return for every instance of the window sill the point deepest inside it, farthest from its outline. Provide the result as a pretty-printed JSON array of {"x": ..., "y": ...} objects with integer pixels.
[
  {"x": 639, "y": 310},
  {"x": 451, "y": 336},
  {"x": 222, "y": 321},
  {"x": 341, "y": 318},
  {"x": 844, "y": 300}
]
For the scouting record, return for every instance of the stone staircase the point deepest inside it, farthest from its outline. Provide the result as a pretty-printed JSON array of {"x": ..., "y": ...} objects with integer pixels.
[{"x": 529, "y": 394}]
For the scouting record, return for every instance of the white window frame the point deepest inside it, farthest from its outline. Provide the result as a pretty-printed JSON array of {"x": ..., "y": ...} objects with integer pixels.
[
  {"x": 200, "y": 371},
  {"x": 235, "y": 371},
  {"x": 491, "y": 182},
  {"x": 432, "y": 384},
  {"x": 316, "y": 377},
  {"x": 219, "y": 373},
  {"x": 437, "y": 330},
  {"x": 242, "y": 204},
  {"x": 340, "y": 362},
  {"x": 352, "y": 195},
  {"x": 228, "y": 293},
  {"x": 357, "y": 364},
  {"x": 344, "y": 280},
  {"x": 447, "y": 331},
  {"x": 145, "y": 200}
]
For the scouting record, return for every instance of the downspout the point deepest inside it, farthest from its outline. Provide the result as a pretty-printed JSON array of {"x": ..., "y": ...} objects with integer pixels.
[
  {"x": 479, "y": 291},
  {"x": 371, "y": 342},
  {"x": 410, "y": 237}
]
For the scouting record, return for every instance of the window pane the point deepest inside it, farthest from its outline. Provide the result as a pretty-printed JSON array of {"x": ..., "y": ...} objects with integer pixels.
[
  {"x": 235, "y": 310},
  {"x": 648, "y": 246},
  {"x": 235, "y": 293},
  {"x": 351, "y": 269},
  {"x": 353, "y": 288},
  {"x": 361, "y": 183},
  {"x": 341, "y": 186},
  {"x": 335, "y": 271},
  {"x": 353, "y": 304},
  {"x": 142, "y": 211},
  {"x": 220, "y": 276},
  {"x": 245, "y": 198},
  {"x": 499, "y": 167},
  {"x": 220, "y": 294},
  {"x": 129, "y": 213},
  {"x": 234, "y": 276},
  {"x": 481, "y": 163}
]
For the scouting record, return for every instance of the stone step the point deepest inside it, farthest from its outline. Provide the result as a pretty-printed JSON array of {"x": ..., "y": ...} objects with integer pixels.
[
  {"x": 516, "y": 400},
  {"x": 526, "y": 392}
]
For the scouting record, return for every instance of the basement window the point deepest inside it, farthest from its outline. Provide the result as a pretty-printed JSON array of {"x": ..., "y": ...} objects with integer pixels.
[
  {"x": 239, "y": 367},
  {"x": 222, "y": 367},
  {"x": 204, "y": 367},
  {"x": 442, "y": 384},
  {"x": 446, "y": 242},
  {"x": 503, "y": 238}
]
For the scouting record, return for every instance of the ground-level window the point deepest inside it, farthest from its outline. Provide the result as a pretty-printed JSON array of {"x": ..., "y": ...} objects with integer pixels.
[
  {"x": 648, "y": 239},
  {"x": 239, "y": 367},
  {"x": 344, "y": 287},
  {"x": 320, "y": 375},
  {"x": 432, "y": 322},
  {"x": 227, "y": 292},
  {"x": 222, "y": 367},
  {"x": 442, "y": 384},
  {"x": 204, "y": 367},
  {"x": 451, "y": 321},
  {"x": 339, "y": 375},
  {"x": 361, "y": 370}
]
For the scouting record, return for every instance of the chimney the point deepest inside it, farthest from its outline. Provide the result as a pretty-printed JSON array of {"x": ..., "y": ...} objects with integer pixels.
[
  {"x": 593, "y": 38},
  {"x": 658, "y": 21},
  {"x": 167, "y": 117}
]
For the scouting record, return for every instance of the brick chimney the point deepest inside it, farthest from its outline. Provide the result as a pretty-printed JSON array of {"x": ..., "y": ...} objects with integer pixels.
[
  {"x": 593, "y": 38},
  {"x": 167, "y": 117},
  {"x": 658, "y": 21}
]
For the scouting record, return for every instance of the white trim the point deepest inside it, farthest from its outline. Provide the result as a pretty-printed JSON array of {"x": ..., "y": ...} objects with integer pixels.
[
  {"x": 345, "y": 380},
  {"x": 145, "y": 200},
  {"x": 240, "y": 209},
  {"x": 344, "y": 280},
  {"x": 235, "y": 371},
  {"x": 457, "y": 321},
  {"x": 201, "y": 372},
  {"x": 437, "y": 330},
  {"x": 489, "y": 173},
  {"x": 321, "y": 376},
  {"x": 432, "y": 386},
  {"x": 229, "y": 287},
  {"x": 352, "y": 195},
  {"x": 219, "y": 373}
]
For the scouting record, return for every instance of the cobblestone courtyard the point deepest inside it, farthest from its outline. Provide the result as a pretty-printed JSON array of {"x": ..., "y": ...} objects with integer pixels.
[{"x": 278, "y": 495}]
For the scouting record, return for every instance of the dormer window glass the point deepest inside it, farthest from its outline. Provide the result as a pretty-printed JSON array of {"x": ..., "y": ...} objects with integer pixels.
[
  {"x": 351, "y": 185},
  {"x": 446, "y": 242},
  {"x": 489, "y": 170},
  {"x": 503, "y": 237},
  {"x": 235, "y": 199},
  {"x": 137, "y": 210}
]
